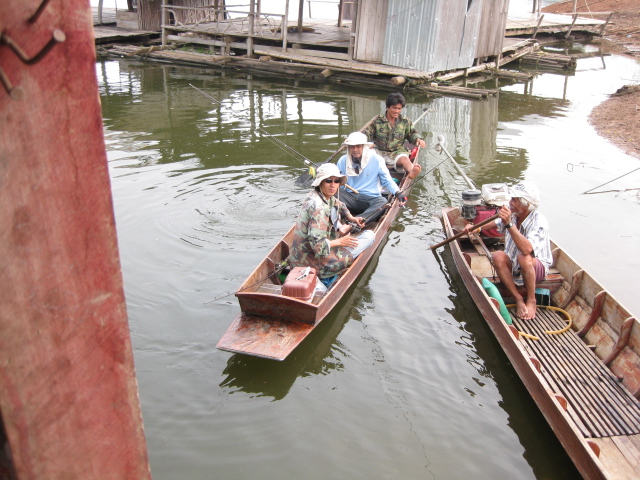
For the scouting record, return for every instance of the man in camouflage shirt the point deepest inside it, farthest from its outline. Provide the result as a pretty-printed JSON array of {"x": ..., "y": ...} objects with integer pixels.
[
  {"x": 390, "y": 131},
  {"x": 320, "y": 240}
]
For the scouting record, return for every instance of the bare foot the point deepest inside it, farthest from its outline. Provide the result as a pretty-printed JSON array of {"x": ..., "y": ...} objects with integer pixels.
[
  {"x": 415, "y": 171},
  {"x": 521, "y": 309},
  {"x": 531, "y": 309}
]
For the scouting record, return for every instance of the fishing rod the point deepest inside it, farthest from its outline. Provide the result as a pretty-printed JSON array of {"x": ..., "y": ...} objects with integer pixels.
[
  {"x": 422, "y": 175},
  {"x": 390, "y": 201},
  {"x": 439, "y": 148},
  {"x": 282, "y": 266},
  {"x": 279, "y": 143},
  {"x": 589, "y": 192}
]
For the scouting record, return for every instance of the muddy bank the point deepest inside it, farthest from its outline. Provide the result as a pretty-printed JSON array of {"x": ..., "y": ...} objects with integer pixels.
[{"x": 618, "y": 117}]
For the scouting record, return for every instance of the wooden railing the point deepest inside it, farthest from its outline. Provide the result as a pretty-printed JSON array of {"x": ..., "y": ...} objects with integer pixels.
[{"x": 222, "y": 21}]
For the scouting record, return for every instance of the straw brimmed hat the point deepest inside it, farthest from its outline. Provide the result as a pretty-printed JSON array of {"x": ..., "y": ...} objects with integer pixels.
[
  {"x": 327, "y": 170},
  {"x": 357, "y": 138}
]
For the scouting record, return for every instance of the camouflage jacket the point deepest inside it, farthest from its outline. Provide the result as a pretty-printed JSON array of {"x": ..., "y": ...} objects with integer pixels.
[
  {"x": 313, "y": 231},
  {"x": 388, "y": 139}
]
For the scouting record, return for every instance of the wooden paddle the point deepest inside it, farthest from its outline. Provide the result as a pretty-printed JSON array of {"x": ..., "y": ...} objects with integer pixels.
[{"x": 458, "y": 235}]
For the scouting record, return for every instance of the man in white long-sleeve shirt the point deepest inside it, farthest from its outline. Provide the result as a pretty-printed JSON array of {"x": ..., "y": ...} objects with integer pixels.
[{"x": 367, "y": 173}]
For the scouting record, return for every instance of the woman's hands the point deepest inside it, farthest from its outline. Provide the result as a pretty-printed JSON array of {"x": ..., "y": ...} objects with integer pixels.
[
  {"x": 345, "y": 241},
  {"x": 357, "y": 220},
  {"x": 344, "y": 229}
]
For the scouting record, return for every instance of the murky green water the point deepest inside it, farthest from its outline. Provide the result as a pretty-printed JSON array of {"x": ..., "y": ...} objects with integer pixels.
[{"x": 403, "y": 379}]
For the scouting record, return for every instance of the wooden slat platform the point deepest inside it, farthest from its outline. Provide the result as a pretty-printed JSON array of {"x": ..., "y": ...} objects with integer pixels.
[
  {"x": 527, "y": 24},
  {"x": 110, "y": 34},
  {"x": 597, "y": 402},
  {"x": 314, "y": 33}
]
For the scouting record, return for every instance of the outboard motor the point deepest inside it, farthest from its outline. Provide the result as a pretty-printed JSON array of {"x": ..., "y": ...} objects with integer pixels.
[
  {"x": 470, "y": 200},
  {"x": 478, "y": 206}
]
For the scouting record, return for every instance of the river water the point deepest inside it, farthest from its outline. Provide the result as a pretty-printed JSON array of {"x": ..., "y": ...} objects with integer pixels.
[{"x": 403, "y": 379}]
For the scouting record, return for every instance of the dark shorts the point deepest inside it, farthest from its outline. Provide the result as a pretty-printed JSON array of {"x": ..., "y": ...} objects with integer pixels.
[{"x": 538, "y": 267}]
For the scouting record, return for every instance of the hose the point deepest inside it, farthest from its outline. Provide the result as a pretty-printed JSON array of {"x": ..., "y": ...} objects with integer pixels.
[{"x": 549, "y": 332}]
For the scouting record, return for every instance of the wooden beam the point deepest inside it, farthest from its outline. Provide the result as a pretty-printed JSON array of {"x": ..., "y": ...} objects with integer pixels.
[
  {"x": 285, "y": 27},
  {"x": 252, "y": 19},
  {"x": 623, "y": 339},
  {"x": 575, "y": 285},
  {"x": 535, "y": 32},
  {"x": 575, "y": 17},
  {"x": 69, "y": 397},
  {"x": 596, "y": 312}
]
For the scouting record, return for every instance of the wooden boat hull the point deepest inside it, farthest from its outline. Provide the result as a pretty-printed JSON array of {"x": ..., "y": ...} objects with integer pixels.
[
  {"x": 602, "y": 434},
  {"x": 271, "y": 325}
]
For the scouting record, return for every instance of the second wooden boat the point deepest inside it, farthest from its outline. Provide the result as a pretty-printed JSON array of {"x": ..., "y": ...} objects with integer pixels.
[{"x": 586, "y": 378}]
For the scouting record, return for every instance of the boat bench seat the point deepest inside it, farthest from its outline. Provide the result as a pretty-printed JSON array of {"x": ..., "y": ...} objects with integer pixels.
[{"x": 482, "y": 267}]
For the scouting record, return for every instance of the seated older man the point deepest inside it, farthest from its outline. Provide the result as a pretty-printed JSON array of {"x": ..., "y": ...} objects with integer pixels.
[
  {"x": 527, "y": 251},
  {"x": 366, "y": 173}
]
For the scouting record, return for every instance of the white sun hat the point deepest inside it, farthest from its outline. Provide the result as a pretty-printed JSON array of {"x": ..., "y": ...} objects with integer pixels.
[
  {"x": 526, "y": 190},
  {"x": 357, "y": 138},
  {"x": 327, "y": 170}
]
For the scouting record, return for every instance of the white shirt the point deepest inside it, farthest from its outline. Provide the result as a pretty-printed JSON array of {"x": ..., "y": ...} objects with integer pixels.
[{"x": 536, "y": 229}]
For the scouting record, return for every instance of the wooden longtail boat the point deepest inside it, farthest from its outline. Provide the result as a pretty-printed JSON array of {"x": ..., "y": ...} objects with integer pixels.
[
  {"x": 586, "y": 380},
  {"x": 270, "y": 324}
]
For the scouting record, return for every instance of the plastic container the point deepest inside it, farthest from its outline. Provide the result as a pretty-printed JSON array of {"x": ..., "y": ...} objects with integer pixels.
[{"x": 298, "y": 286}]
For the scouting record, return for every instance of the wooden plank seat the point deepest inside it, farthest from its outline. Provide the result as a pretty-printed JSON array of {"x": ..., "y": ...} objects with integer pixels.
[
  {"x": 596, "y": 400},
  {"x": 481, "y": 265}
]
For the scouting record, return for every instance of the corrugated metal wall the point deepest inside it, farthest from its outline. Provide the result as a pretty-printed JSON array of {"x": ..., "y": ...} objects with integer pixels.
[
  {"x": 440, "y": 35},
  {"x": 370, "y": 31},
  {"x": 492, "y": 26}
]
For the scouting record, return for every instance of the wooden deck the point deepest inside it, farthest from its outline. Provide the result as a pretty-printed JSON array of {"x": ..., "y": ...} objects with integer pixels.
[
  {"x": 108, "y": 32},
  {"x": 520, "y": 25},
  {"x": 111, "y": 34}
]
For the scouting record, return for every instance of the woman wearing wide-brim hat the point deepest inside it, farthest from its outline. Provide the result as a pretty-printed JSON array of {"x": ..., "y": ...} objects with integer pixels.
[{"x": 322, "y": 238}]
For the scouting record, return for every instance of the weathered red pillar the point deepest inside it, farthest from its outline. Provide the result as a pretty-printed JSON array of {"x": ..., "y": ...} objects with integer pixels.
[{"x": 68, "y": 392}]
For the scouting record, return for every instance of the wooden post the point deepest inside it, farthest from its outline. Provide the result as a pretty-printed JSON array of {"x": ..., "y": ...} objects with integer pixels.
[
  {"x": 606, "y": 23},
  {"x": 535, "y": 32},
  {"x": 300, "y": 14},
  {"x": 575, "y": 17},
  {"x": 163, "y": 19},
  {"x": 252, "y": 11},
  {"x": 69, "y": 397},
  {"x": 285, "y": 27},
  {"x": 353, "y": 37}
]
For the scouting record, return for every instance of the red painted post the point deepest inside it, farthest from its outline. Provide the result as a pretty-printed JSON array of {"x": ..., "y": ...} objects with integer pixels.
[{"x": 68, "y": 391}]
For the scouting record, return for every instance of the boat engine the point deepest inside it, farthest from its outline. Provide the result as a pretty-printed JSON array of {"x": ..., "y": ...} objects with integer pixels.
[{"x": 478, "y": 205}]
